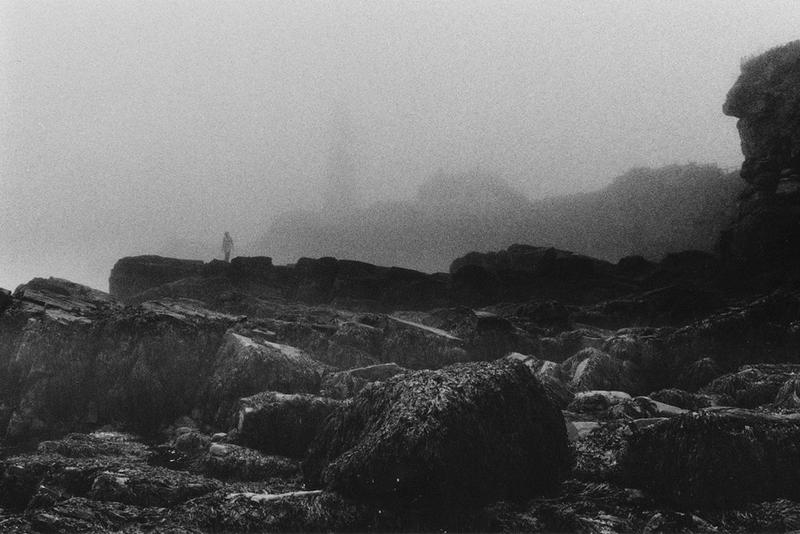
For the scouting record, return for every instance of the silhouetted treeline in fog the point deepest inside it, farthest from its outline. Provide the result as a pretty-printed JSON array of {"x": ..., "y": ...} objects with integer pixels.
[{"x": 645, "y": 211}]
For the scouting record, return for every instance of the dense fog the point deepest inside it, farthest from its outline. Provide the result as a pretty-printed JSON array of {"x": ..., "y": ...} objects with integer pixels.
[{"x": 153, "y": 127}]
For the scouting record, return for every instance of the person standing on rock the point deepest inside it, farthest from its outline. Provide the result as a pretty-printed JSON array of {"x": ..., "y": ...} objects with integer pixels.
[{"x": 227, "y": 246}]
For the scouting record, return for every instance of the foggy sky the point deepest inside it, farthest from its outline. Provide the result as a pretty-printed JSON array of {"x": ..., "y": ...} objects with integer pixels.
[{"x": 130, "y": 127}]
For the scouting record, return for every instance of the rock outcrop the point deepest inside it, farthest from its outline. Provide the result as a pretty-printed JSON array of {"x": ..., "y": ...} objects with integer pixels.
[
  {"x": 766, "y": 99},
  {"x": 277, "y": 423},
  {"x": 136, "y": 274},
  {"x": 469, "y": 433},
  {"x": 717, "y": 459}
]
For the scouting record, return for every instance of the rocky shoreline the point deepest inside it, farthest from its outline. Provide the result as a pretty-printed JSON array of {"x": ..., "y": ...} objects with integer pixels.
[{"x": 529, "y": 389}]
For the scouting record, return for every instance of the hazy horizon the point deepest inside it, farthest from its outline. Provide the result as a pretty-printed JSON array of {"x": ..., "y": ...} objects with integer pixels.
[{"x": 142, "y": 127}]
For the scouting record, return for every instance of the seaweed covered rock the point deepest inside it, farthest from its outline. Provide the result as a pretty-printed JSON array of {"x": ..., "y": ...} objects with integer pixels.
[
  {"x": 231, "y": 462},
  {"x": 417, "y": 346},
  {"x": 246, "y": 366},
  {"x": 465, "y": 434},
  {"x": 282, "y": 424},
  {"x": 717, "y": 459},
  {"x": 788, "y": 396},
  {"x": 345, "y": 384},
  {"x": 698, "y": 374},
  {"x": 752, "y": 385},
  {"x": 299, "y": 511},
  {"x": 549, "y": 374},
  {"x": 592, "y": 369},
  {"x": 682, "y": 399},
  {"x": 72, "y": 358}
]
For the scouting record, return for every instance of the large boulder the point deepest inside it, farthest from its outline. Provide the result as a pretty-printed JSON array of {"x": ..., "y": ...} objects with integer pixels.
[
  {"x": 717, "y": 459},
  {"x": 465, "y": 434},
  {"x": 277, "y": 423},
  {"x": 73, "y": 358},
  {"x": 245, "y": 366}
]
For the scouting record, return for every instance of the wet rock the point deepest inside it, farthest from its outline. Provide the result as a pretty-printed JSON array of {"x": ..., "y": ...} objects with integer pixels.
[
  {"x": 245, "y": 366},
  {"x": 408, "y": 439},
  {"x": 345, "y": 384},
  {"x": 354, "y": 344},
  {"x": 65, "y": 467},
  {"x": 566, "y": 344},
  {"x": 716, "y": 459},
  {"x": 226, "y": 511},
  {"x": 79, "y": 514},
  {"x": 682, "y": 399},
  {"x": 191, "y": 441},
  {"x": 232, "y": 462},
  {"x": 281, "y": 424},
  {"x": 595, "y": 401},
  {"x": 548, "y": 313},
  {"x": 149, "y": 486},
  {"x": 598, "y": 449},
  {"x": 417, "y": 346},
  {"x": 760, "y": 330},
  {"x": 95, "y": 444},
  {"x": 788, "y": 396},
  {"x": 592, "y": 369},
  {"x": 699, "y": 374},
  {"x": 752, "y": 385},
  {"x": 549, "y": 375},
  {"x": 72, "y": 358}
]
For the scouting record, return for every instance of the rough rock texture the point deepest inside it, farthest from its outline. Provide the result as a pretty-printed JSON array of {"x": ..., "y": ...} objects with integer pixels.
[
  {"x": 468, "y": 433},
  {"x": 245, "y": 366},
  {"x": 72, "y": 358},
  {"x": 226, "y": 461},
  {"x": 591, "y": 369},
  {"x": 766, "y": 98},
  {"x": 549, "y": 375},
  {"x": 345, "y": 384},
  {"x": 682, "y": 399},
  {"x": 752, "y": 385},
  {"x": 277, "y": 423},
  {"x": 788, "y": 396},
  {"x": 762, "y": 330},
  {"x": 717, "y": 459},
  {"x": 133, "y": 275}
]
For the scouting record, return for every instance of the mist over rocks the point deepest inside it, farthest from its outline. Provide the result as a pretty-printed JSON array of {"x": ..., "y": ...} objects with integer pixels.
[
  {"x": 647, "y": 212},
  {"x": 526, "y": 389}
]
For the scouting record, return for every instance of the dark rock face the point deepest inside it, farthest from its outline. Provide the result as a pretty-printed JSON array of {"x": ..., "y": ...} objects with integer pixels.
[
  {"x": 346, "y": 283},
  {"x": 245, "y": 366},
  {"x": 281, "y": 424},
  {"x": 73, "y": 358},
  {"x": 752, "y": 385},
  {"x": 717, "y": 459},
  {"x": 135, "y": 274},
  {"x": 766, "y": 234},
  {"x": 766, "y": 99},
  {"x": 346, "y": 384},
  {"x": 465, "y": 434}
]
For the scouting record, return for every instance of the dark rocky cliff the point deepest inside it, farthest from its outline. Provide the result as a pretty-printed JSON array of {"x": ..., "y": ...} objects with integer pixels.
[{"x": 764, "y": 239}]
